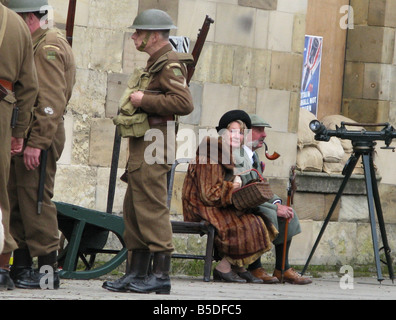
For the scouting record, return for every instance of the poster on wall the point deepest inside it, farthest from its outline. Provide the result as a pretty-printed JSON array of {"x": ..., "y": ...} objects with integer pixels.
[
  {"x": 311, "y": 73},
  {"x": 180, "y": 43}
]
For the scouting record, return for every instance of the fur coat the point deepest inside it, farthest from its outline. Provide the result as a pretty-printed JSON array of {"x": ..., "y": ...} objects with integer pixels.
[{"x": 207, "y": 195}]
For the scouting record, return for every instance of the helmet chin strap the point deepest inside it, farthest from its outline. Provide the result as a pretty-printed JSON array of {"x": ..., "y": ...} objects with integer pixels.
[{"x": 144, "y": 42}]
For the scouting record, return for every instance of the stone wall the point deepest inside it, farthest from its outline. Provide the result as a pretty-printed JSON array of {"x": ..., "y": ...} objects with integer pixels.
[{"x": 252, "y": 60}]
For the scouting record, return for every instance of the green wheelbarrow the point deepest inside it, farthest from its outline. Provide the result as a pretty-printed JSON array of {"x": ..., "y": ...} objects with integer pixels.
[{"x": 86, "y": 232}]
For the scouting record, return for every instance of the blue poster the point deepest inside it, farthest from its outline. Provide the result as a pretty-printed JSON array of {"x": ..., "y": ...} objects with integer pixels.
[{"x": 311, "y": 73}]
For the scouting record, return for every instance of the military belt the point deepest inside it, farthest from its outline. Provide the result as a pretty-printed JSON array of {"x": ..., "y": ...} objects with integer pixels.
[
  {"x": 156, "y": 120},
  {"x": 6, "y": 84}
]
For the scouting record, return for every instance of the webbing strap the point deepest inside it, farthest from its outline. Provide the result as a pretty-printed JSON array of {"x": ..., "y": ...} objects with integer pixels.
[{"x": 3, "y": 25}]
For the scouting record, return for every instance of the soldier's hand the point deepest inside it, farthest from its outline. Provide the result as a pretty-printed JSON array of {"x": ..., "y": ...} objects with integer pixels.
[
  {"x": 136, "y": 98},
  {"x": 31, "y": 157},
  {"x": 284, "y": 211},
  {"x": 16, "y": 145}
]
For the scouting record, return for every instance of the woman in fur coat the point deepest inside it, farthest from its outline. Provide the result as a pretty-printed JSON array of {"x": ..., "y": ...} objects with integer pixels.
[{"x": 207, "y": 195}]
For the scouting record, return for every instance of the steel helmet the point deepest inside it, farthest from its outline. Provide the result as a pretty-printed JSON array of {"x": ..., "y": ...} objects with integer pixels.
[
  {"x": 21, "y": 6},
  {"x": 153, "y": 19}
]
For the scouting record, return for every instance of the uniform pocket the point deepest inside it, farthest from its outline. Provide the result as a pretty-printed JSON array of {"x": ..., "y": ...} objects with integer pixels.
[
  {"x": 134, "y": 166},
  {"x": 132, "y": 126}
]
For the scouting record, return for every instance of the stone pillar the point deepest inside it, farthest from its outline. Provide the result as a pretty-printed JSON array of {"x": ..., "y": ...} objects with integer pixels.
[{"x": 369, "y": 83}]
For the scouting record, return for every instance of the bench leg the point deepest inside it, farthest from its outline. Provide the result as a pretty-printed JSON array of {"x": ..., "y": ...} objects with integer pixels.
[{"x": 209, "y": 254}]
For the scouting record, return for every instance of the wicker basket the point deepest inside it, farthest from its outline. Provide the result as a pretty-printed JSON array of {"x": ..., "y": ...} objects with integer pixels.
[{"x": 252, "y": 194}]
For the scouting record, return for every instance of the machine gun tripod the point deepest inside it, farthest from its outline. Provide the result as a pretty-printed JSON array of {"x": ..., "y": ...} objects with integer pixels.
[{"x": 363, "y": 143}]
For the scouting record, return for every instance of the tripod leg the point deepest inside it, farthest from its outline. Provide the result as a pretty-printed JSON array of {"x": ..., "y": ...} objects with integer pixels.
[
  {"x": 369, "y": 187},
  {"x": 381, "y": 221},
  {"x": 348, "y": 172}
]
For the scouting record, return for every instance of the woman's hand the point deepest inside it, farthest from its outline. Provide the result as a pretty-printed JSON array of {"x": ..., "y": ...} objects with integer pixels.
[{"x": 237, "y": 183}]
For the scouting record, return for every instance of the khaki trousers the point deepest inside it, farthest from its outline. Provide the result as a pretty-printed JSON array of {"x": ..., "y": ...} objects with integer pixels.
[
  {"x": 36, "y": 232},
  {"x": 146, "y": 215},
  {"x": 5, "y": 156}
]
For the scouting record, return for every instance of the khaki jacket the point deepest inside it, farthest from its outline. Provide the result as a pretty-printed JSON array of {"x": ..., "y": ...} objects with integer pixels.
[
  {"x": 168, "y": 92},
  {"x": 17, "y": 66},
  {"x": 56, "y": 71}
]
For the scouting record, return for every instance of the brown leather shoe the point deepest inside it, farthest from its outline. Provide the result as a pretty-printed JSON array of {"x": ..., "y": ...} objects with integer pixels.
[
  {"x": 263, "y": 275},
  {"x": 291, "y": 276}
]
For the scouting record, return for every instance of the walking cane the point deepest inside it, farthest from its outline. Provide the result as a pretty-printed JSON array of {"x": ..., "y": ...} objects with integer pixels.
[{"x": 290, "y": 194}]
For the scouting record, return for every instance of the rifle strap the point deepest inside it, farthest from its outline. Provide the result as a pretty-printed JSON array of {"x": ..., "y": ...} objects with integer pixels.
[{"x": 3, "y": 24}]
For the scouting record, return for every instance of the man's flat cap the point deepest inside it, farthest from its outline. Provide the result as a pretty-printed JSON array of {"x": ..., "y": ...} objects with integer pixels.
[{"x": 257, "y": 121}]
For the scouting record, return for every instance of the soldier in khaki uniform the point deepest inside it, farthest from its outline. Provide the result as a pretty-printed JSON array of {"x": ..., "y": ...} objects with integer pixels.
[
  {"x": 35, "y": 228},
  {"x": 18, "y": 76},
  {"x": 147, "y": 222}
]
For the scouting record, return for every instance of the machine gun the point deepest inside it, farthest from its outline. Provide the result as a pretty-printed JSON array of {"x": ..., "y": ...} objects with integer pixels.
[
  {"x": 357, "y": 137},
  {"x": 363, "y": 143}
]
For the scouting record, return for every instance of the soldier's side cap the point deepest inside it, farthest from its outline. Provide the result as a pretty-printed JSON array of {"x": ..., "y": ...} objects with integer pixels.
[
  {"x": 153, "y": 19},
  {"x": 257, "y": 121},
  {"x": 234, "y": 115}
]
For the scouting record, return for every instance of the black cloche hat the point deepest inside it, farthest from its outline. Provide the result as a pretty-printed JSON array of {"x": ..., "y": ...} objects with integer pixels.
[{"x": 234, "y": 115}]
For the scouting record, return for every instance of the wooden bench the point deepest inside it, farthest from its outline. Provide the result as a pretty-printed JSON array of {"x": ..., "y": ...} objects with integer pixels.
[{"x": 202, "y": 228}]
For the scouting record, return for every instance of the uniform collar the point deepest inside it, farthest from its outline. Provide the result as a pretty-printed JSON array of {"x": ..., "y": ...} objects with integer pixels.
[
  {"x": 157, "y": 54},
  {"x": 37, "y": 35}
]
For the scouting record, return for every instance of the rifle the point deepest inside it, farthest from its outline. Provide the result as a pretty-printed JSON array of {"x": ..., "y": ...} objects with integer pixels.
[
  {"x": 203, "y": 32},
  {"x": 292, "y": 187},
  {"x": 70, "y": 21}
]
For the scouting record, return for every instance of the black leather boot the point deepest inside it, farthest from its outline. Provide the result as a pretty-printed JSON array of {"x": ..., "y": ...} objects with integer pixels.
[
  {"x": 158, "y": 281},
  {"x": 6, "y": 282},
  {"x": 46, "y": 277},
  {"x": 22, "y": 265},
  {"x": 137, "y": 269}
]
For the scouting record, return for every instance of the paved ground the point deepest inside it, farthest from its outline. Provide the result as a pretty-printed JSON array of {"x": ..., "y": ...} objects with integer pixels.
[{"x": 194, "y": 289}]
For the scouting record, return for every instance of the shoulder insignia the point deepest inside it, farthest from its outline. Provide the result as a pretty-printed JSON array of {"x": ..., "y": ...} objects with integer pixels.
[
  {"x": 173, "y": 65},
  {"x": 177, "y": 72},
  {"x": 50, "y": 46},
  {"x": 51, "y": 55},
  {"x": 176, "y": 67},
  {"x": 182, "y": 84},
  {"x": 49, "y": 110}
]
